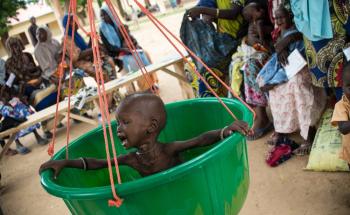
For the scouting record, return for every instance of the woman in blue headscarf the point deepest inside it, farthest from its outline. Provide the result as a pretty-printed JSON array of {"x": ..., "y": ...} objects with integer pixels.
[
  {"x": 116, "y": 47},
  {"x": 78, "y": 39}
]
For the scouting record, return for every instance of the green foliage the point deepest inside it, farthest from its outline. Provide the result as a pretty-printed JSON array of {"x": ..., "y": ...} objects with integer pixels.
[{"x": 8, "y": 9}]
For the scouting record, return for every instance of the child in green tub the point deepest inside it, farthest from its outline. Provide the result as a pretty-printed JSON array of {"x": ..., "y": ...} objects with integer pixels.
[{"x": 140, "y": 119}]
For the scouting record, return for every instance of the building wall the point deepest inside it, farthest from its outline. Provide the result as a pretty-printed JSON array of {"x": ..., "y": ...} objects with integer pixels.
[{"x": 21, "y": 30}]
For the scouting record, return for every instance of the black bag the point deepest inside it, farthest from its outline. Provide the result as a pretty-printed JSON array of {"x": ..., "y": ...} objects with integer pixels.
[{"x": 215, "y": 49}]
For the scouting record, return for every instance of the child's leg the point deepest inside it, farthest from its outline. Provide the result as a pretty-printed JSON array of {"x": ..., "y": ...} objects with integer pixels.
[
  {"x": 40, "y": 140},
  {"x": 20, "y": 148}
]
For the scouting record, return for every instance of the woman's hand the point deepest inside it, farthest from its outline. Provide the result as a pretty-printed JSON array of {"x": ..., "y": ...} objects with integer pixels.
[
  {"x": 239, "y": 126},
  {"x": 55, "y": 165}
]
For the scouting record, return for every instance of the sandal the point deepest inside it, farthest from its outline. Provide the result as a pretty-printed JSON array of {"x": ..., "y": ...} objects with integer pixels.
[
  {"x": 304, "y": 149},
  {"x": 22, "y": 150},
  {"x": 260, "y": 132}
]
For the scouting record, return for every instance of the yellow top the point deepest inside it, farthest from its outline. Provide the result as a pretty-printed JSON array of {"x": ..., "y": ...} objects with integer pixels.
[{"x": 230, "y": 26}]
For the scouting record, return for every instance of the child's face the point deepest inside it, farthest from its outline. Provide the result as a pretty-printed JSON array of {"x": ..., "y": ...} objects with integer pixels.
[
  {"x": 251, "y": 13},
  {"x": 132, "y": 127},
  {"x": 282, "y": 19}
]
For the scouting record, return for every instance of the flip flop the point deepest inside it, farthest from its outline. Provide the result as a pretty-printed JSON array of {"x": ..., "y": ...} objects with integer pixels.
[
  {"x": 260, "y": 132},
  {"x": 22, "y": 150},
  {"x": 304, "y": 149}
]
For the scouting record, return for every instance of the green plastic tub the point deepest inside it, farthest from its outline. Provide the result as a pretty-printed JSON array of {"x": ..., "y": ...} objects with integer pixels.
[{"x": 212, "y": 180}]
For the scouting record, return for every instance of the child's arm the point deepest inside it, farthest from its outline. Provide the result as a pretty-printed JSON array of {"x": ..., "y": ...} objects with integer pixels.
[
  {"x": 344, "y": 127},
  {"x": 209, "y": 137},
  {"x": 213, "y": 12},
  {"x": 82, "y": 163}
]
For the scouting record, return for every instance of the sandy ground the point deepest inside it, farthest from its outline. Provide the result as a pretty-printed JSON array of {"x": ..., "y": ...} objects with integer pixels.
[{"x": 286, "y": 190}]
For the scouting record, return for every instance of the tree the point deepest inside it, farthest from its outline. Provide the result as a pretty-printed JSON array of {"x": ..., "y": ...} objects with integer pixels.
[{"x": 8, "y": 10}]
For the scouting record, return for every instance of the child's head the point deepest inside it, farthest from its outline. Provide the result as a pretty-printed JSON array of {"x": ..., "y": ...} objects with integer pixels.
[
  {"x": 346, "y": 79},
  {"x": 141, "y": 117},
  {"x": 283, "y": 18},
  {"x": 253, "y": 11}
]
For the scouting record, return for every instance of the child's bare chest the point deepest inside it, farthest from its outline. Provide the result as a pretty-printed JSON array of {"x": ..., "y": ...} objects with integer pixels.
[{"x": 147, "y": 166}]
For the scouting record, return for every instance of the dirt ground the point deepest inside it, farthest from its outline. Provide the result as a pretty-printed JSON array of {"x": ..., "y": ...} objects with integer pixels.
[{"x": 286, "y": 190}]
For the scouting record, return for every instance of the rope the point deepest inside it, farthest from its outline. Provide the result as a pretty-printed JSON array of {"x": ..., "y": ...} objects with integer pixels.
[
  {"x": 131, "y": 47},
  {"x": 117, "y": 201},
  {"x": 60, "y": 69}
]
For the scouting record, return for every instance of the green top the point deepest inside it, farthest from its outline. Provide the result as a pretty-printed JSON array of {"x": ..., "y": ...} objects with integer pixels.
[{"x": 230, "y": 26}]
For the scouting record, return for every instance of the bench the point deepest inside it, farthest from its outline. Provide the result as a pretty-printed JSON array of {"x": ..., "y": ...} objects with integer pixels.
[{"x": 110, "y": 87}]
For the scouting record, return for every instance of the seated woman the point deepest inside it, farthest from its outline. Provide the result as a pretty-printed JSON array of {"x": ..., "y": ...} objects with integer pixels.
[
  {"x": 24, "y": 77},
  {"x": 83, "y": 55},
  {"x": 46, "y": 53},
  {"x": 295, "y": 104},
  {"x": 14, "y": 110},
  {"x": 20, "y": 67},
  {"x": 117, "y": 48}
]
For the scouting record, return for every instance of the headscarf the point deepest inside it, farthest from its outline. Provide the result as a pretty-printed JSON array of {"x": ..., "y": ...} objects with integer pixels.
[
  {"x": 13, "y": 40},
  {"x": 78, "y": 39},
  {"x": 46, "y": 53},
  {"x": 110, "y": 32}
]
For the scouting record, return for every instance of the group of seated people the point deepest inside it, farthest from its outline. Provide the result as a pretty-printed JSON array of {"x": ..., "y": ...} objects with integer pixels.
[
  {"x": 257, "y": 71},
  {"x": 34, "y": 84}
]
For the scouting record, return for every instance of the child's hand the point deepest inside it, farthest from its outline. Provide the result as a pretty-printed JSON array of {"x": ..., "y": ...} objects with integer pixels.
[
  {"x": 55, "y": 165},
  {"x": 239, "y": 126}
]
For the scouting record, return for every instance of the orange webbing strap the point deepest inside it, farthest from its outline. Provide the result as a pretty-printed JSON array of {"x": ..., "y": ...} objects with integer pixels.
[
  {"x": 51, "y": 147},
  {"x": 156, "y": 22},
  {"x": 74, "y": 8},
  {"x": 104, "y": 105},
  {"x": 131, "y": 46}
]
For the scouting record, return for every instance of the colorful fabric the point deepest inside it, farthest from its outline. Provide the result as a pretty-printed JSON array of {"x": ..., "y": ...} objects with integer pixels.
[
  {"x": 78, "y": 39},
  {"x": 19, "y": 111},
  {"x": 312, "y": 18},
  {"x": 253, "y": 94},
  {"x": 77, "y": 83},
  {"x": 296, "y": 105},
  {"x": 46, "y": 54},
  {"x": 273, "y": 72},
  {"x": 342, "y": 113},
  {"x": 230, "y": 26},
  {"x": 217, "y": 87},
  {"x": 325, "y": 57},
  {"x": 237, "y": 64}
]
